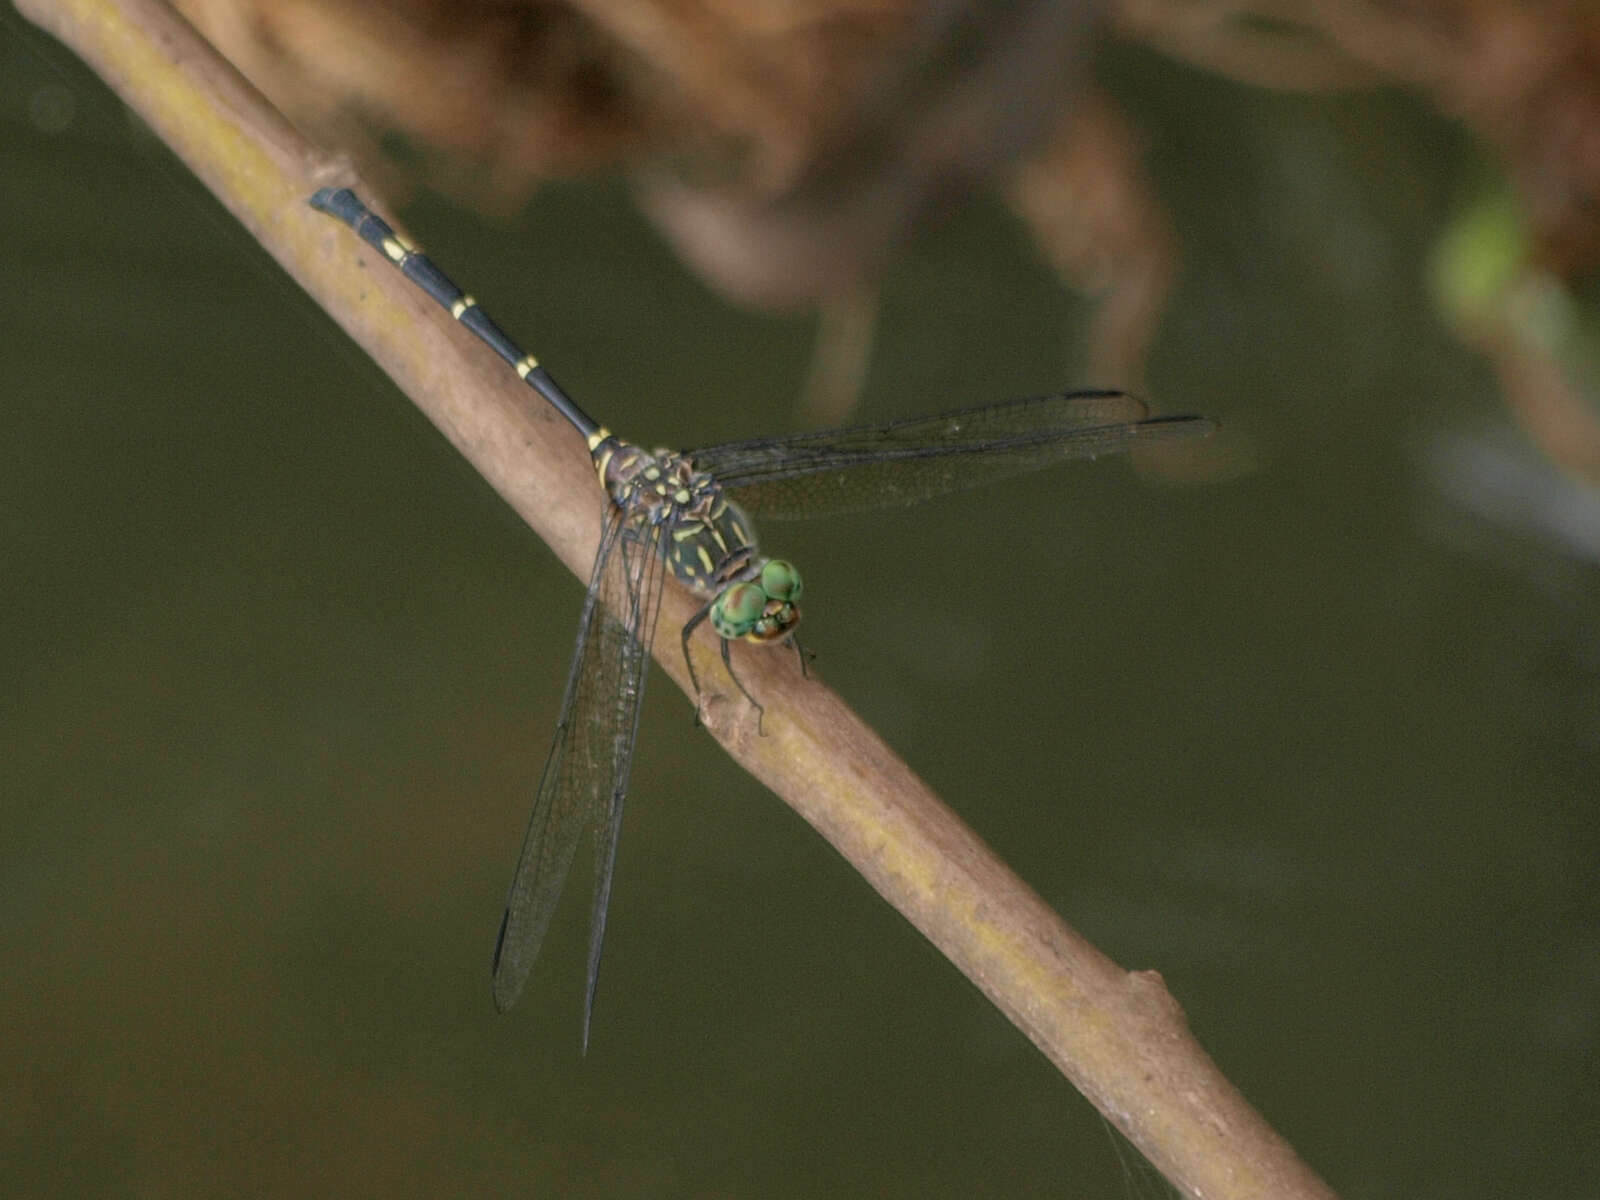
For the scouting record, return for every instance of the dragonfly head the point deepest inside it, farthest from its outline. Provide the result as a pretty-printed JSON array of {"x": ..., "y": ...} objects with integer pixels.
[{"x": 763, "y": 608}]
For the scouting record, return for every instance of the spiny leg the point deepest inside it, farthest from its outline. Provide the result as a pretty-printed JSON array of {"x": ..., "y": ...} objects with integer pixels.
[
  {"x": 689, "y": 627},
  {"x": 727, "y": 661},
  {"x": 805, "y": 655}
]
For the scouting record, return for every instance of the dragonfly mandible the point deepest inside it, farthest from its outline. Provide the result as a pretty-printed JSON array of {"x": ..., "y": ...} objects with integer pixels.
[{"x": 676, "y": 513}]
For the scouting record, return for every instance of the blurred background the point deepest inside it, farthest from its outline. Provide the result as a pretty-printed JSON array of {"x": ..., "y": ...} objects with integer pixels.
[{"x": 1307, "y": 718}]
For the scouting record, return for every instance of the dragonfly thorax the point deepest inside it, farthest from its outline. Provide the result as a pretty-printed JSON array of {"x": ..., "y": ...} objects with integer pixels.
[{"x": 706, "y": 540}]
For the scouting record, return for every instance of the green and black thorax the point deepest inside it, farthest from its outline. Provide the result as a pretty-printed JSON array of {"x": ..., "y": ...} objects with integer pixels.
[{"x": 705, "y": 540}]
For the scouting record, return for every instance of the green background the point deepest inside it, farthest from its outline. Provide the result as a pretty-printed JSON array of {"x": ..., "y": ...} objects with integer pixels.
[{"x": 1314, "y": 740}]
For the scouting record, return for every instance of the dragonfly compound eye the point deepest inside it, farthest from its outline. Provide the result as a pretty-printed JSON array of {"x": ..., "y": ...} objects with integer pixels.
[
  {"x": 780, "y": 581},
  {"x": 738, "y": 610}
]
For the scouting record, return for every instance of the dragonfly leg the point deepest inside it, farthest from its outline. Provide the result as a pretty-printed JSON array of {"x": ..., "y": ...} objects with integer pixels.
[
  {"x": 694, "y": 680},
  {"x": 805, "y": 656},
  {"x": 727, "y": 661}
]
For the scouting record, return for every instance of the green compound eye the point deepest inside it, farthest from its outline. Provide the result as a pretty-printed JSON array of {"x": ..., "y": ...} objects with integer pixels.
[
  {"x": 780, "y": 581},
  {"x": 738, "y": 610},
  {"x": 760, "y": 610}
]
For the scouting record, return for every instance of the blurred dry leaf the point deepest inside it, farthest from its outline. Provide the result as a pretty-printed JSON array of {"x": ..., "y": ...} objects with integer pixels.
[
  {"x": 786, "y": 147},
  {"x": 1524, "y": 76}
]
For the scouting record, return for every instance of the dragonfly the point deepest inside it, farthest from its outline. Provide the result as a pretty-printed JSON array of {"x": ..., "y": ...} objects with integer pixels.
[{"x": 684, "y": 515}]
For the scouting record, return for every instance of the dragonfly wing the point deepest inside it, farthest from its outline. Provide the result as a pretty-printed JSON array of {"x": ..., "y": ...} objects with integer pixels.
[
  {"x": 599, "y": 718},
  {"x": 903, "y": 462},
  {"x": 637, "y": 586}
]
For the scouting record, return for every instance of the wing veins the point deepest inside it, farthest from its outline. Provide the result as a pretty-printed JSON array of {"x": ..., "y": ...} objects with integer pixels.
[{"x": 575, "y": 773}]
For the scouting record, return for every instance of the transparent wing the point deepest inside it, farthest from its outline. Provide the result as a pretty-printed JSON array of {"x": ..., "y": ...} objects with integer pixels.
[
  {"x": 903, "y": 462},
  {"x": 585, "y": 778},
  {"x": 638, "y": 584}
]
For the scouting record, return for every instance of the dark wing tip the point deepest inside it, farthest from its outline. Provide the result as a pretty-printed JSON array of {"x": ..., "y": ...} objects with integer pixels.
[{"x": 507, "y": 984}]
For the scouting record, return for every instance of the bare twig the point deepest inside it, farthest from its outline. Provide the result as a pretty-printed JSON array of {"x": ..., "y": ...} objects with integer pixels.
[{"x": 1117, "y": 1035}]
